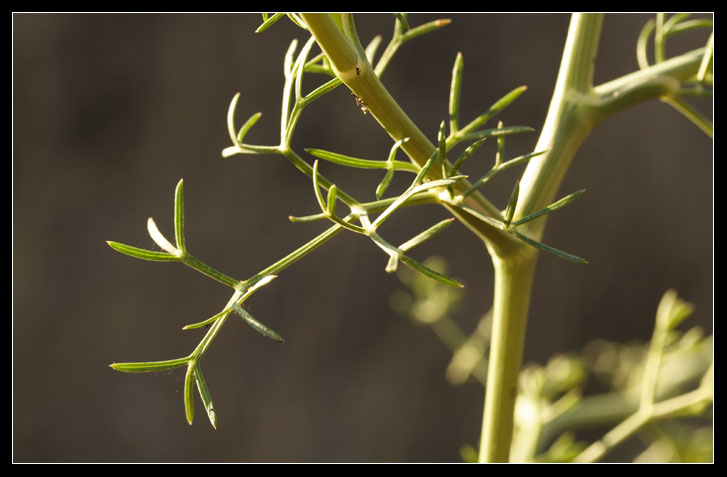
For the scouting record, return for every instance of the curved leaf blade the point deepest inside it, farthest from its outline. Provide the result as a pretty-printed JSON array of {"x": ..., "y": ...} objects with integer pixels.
[
  {"x": 142, "y": 253},
  {"x": 149, "y": 366}
]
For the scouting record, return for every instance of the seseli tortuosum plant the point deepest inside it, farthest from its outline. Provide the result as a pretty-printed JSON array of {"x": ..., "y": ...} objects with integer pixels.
[{"x": 512, "y": 235}]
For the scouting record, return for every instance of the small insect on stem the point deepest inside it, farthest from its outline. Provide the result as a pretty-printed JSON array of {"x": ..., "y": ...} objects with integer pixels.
[
  {"x": 361, "y": 103},
  {"x": 358, "y": 71}
]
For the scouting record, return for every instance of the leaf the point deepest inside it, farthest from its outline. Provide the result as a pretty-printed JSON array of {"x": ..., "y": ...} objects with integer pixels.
[
  {"x": 381, "y": 188},
  {"x": 361, "y": 163},
  {"x": 179, "y": 216},
  {"x": 455, "y": 93},
  {"x": 467, "y": 153},
  {"x": 425, "y": 28},
  {"x": 160, "y": 239},
  {"x": 410, "y": 262},
  {"x": 495, "y": 109},
  {"x": 511, "y": 204},
  {"x": 317, "y": 190},
  {"x": 256, "y": 325},
  {"x": 554, "y": 206},
  {"x": 269, "y": 22},
  {"x": 142, "y": 253},
  {"x": 402, "y": 19},
  {"x": 149, "y": 366},
  {"x": 485, "y": 218},
  {"x": 426, "y": 235},
  {"x": 246, "y": 127},
  {"x": 495, "y": 132},
  {"x": 549, "y": 249},
  {"x": 442, "y": 148},
  {"x": 204, "y": 393},
  {"x": 331, "y": 200},
  {"x": 390, "y": 169},
  {"x": 207, "y": 321},
  {"x": 189, "y": 394}
]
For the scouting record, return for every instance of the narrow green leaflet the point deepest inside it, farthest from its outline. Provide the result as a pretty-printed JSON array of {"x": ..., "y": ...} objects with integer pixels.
[
  {"x": 384, "y": 184},
  {"x": 208, "y": 321},
  {"x": 402, "y": 18},
  {"x": 361, "y": 163},
  {"x": 467, "y": 153},
  {"x": 410, "y": 262},
  {"x": 142, "y": 253},
  {"x": 246, "y": 127},
  {"x": 549, "y": 249},
  {"x": 425, "y": 28},
  {"x": 511, "y": 204},
  {"x": 269, "y": 22},
  {"x": 426, "y": 235},
  {"x": 554, "y": 206},
  {"x": 204, "y": 393},
  {"x": 179, "y": 217},
  {"x": 495, "y": 109},
  {"x": 149, "y": 366},
  {"x": 159, "y": 238},
  {"x": 189, "y": 394},
  {"x": 493, "y": 132},
  {"x": 455, "y": 91},
  {"x": 390, "y": 170},
  {"x": 256, "y": 325}
]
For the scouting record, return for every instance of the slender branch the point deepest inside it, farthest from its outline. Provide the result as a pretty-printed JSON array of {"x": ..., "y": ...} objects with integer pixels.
[{"x": 353, "y": 68}]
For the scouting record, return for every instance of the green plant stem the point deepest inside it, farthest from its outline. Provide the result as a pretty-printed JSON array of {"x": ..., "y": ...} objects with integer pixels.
[
  {"x": 513, "y": 281},
  {"x": 676, "y": 376},
  {"x": 575, "y": 109},
  {"x": 645, "y": 415},
  {"x": 351, "y": 66},
  {"x": 568, "y": 122},
  {"x": 564, "y": 130}
]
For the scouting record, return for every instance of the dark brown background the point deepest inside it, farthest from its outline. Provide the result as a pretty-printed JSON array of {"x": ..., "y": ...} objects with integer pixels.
[{"x": 111, "y": 110}]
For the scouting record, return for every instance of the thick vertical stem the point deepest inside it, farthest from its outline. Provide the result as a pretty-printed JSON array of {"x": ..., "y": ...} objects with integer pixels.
[
  {"x": 567, "y": 124},
  {"x": 569, "y": 120},
  {"x": 513, "y": 282}
]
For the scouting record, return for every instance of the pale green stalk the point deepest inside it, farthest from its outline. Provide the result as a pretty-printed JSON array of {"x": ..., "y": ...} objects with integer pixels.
[{"x": 575, "y": 109}]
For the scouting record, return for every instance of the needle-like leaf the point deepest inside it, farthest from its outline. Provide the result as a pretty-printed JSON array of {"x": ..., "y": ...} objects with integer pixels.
[
  {"x": 317, "y": 190},
  {"x": 495, "y": 109},
  {"x": 410, "y": 262},
  {"x": 142, "y": 253},
  {"x": 425, "y": 28},
  {"x": 331, "y": 200},
  {"x": 511, "y": 204},
  {"x": 426, "y": 235},
  {"x": 159, "y": 238},
  {"x": 442, "y": 148},
  {"x": 204, "y": 393},
  {"x": 402, "y": 18},
  {"x": 361, "y": 163},
  {"x": 149, "y": 366},
  {"x": 208, "y": 321},
  {"x": 548, "y": 248},
  {"x": 381, "y": 188},
  {"x": 495, "y": 132},
  {"x": 554, "y": 206},
  {"x": 189, "y": 393},
  {"x": 269, "y": 22},
  {"x": 467, "y": 153},
  {"x": 179, "y": 217},
  {"x": 256, "y": 325},
  {"x": 455, "y": 93}
]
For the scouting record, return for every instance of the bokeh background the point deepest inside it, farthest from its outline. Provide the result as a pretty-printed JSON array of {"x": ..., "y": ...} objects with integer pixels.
[{"x": 111, "y": 110}]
